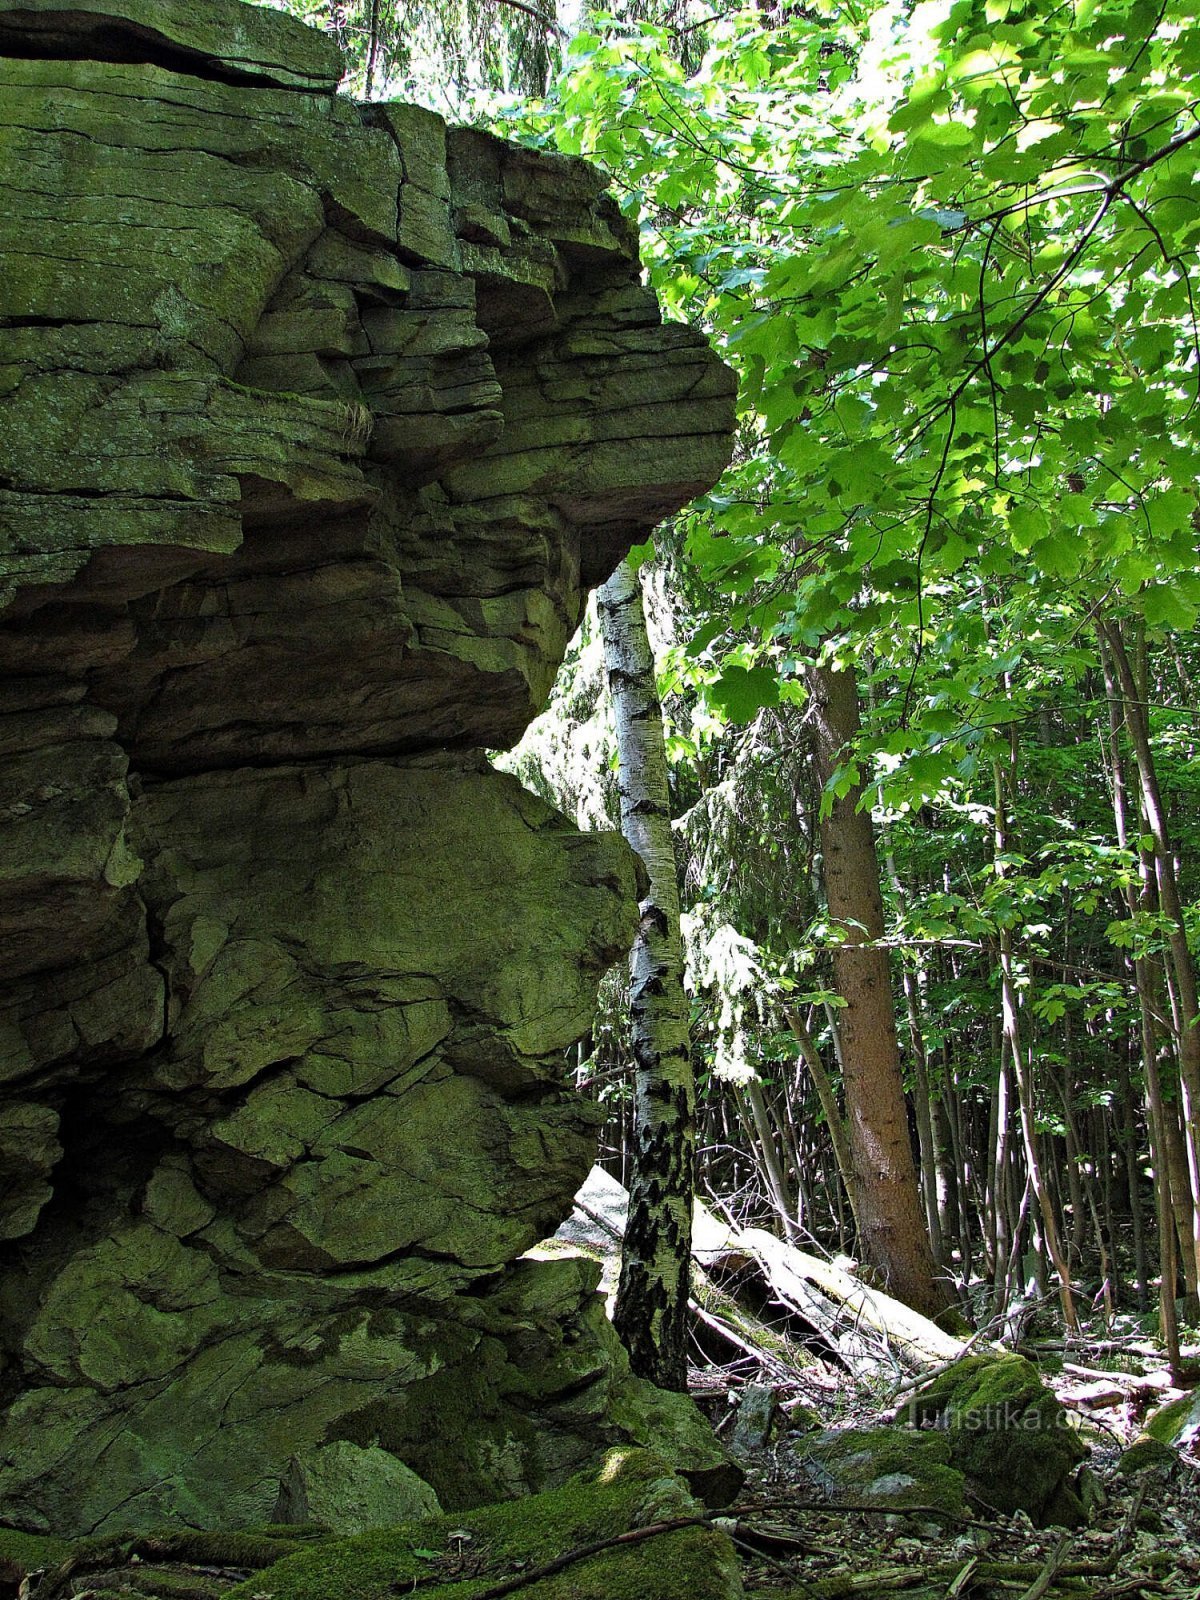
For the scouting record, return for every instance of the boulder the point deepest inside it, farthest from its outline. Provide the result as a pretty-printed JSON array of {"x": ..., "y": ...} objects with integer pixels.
[
  {"x": 1008, "y": 1435},
  {"x": 893, "y": 1469},
  {"x": 1147, "y": 1454},
  {"x": 343, "y": 1486},
  {"x": 757, "y": 1415},
  {"x": 317, "y": 423}
]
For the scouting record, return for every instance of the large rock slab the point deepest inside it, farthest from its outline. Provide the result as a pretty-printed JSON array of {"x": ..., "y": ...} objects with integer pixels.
[{"x": 316, "y": 424}]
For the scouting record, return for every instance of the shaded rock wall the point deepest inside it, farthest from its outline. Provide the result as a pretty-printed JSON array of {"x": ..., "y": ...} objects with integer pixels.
[{"x": 316, "y": 424}]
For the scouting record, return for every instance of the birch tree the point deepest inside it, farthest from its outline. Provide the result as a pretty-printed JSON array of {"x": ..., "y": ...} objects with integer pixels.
[{"x": 652, "y": 1299}]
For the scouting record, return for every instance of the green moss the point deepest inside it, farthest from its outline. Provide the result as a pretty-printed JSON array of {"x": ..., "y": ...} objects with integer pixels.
[
  {"x": 163, "y": 1584},
  {"x": 219, "y": 1549},
  {"x": 890, "y": 1467},
  {"x": 289, "y": 1530},
  {"x": 29, "y": 1552},
  {"x": 1146, "y": 1454},
  {"x": 1008, "y": 1433},
  {"x": 454, "y": 1429},
  {"x": 1164, "y": 1424},
  {"x": 632, "y": 1488}
]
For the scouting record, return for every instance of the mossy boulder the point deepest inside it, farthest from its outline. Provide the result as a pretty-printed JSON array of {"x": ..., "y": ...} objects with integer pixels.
[
  {"x": 1147, "y": 1454},
  {"x": 453, "y": 1557},
  {"x": 1008, "y": 1435},
  {"x": 891, "y": 1468},
  {"x": 351, "y": 1488},
  {"x": 1176, "y": 1424}
]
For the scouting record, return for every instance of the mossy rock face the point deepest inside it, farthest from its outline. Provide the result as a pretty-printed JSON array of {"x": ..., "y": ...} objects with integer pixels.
[
  {"x": 317, "y": 423},
  {"x": 891, "y": 1468},
  {"x": 631, "y": 1489},
  {"x": 1008, "y": 1434}
]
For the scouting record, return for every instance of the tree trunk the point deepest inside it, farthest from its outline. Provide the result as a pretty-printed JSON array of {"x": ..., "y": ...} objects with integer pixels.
[
  {"x": 922, "y": 1100},
  {"x": 373, "y": 42},
  {"x": 887, "y": 1202},
  {"x": 775, "y": 1178},
  {"x": 834, "y": 1121},
  {"x": 1185, "y": 1002},
  {"x": 1147, "y": 990},
  {"x": 1023, "y": 1064},
  {"x": 651, "y": 1313}
]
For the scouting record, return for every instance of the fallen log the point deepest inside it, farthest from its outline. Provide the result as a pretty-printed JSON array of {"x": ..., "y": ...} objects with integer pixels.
[
  {"x": 864, "y": 1326},
  {"x": 869, "y": 1331}
]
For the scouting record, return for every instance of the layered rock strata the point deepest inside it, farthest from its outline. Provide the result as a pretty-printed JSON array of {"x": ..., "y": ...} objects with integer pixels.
[{"x": 317, "y": 421}]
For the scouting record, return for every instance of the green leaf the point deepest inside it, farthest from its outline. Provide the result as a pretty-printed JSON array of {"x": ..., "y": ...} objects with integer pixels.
[
  {"x": 1164, "y": 606},
  {"x": 740, "y": 693}
]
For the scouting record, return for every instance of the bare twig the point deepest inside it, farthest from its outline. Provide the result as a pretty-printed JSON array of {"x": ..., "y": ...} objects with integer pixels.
[
  {"x": 581, "y": 1552},
  {"x": 1049, "y": 1570}
]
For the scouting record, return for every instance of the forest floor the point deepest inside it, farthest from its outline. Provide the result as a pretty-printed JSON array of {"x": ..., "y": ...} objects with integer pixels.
[
  {"x": 1143, "y": 1537},
  {"x": 796, "y": 1539}
]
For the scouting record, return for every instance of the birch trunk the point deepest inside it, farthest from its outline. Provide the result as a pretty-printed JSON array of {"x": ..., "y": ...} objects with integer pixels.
[{"x": 651, "y": 1313}]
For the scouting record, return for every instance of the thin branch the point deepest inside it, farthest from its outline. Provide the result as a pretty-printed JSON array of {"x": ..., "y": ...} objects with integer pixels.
[
  {"x": 522, "y": 1580},
  {"x": 540, "y": 17}
]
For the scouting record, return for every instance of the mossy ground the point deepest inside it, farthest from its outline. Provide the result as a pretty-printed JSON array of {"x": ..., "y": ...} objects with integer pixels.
[{"x": 632, "y": 1488}]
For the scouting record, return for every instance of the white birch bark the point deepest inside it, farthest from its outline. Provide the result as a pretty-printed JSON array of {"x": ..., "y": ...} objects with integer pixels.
[{"x": 652, "y": 1301}]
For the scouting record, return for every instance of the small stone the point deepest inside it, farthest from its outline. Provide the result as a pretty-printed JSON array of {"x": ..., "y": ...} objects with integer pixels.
[{"x": 758, "y": 1408}]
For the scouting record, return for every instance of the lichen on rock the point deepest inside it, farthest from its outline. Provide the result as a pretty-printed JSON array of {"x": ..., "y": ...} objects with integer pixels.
[{"x": 317, "y": 422}]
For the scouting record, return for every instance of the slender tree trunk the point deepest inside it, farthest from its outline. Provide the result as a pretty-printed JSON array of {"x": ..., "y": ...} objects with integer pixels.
[
  {"x": 651, "y": 1313},
  {"x": 922, "y": 1099},
  {"x": 948, "y": 1110},
  {"x": 1001, "y": 1218},
  {"x": 1129, "y": 1157},
  {"x": 1023, "y": 1067},
  {"x": 887, "y": 1202},
  {"x": 1186, "y": 1002},
  {"x": 764, "y": 1135},
  {"x": 1147, "y": 990},
  {"x": 373, "y": 42},
  {"x": 838, "y": 1136}
]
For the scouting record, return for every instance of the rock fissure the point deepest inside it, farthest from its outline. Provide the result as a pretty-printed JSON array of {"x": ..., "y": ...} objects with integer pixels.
[
  {"x": 300, "y": 500},
  {"x": 123, "y": 45}
]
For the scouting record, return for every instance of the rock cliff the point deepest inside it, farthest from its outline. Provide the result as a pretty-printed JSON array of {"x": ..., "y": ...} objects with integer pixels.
[{"x": 317, "y": 421}]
